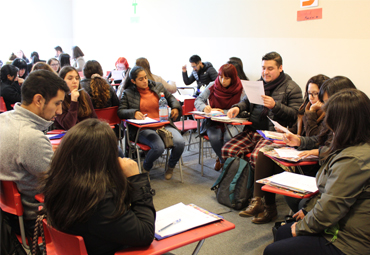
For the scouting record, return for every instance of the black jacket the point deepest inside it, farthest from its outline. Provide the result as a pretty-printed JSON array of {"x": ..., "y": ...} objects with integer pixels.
[
  {"x": 134, "y": 228},
  {"x": 11, "y": 93},
  {"x": 130, "y": 103},
  {"x": 205, "y": 75}
]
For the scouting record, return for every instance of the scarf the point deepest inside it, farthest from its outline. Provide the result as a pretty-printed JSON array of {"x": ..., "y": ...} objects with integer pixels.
[
  {"x": 224, "y": 98},
  {"x": 269, "y": 88}
]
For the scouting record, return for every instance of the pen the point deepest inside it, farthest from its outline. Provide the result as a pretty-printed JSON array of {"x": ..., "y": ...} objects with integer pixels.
[
  {"x": 77, "y": 90},
  {"x": 172, "y": 223},
  {"x": 208, "y": 102}
]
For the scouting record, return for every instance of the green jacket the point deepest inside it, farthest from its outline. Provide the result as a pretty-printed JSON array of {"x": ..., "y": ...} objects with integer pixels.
[{"x": 344, "y": 184}]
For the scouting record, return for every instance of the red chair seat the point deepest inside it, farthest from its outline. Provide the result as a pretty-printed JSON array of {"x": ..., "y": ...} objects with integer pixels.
[
  {"x": 188, "y": 125},
  {"x": 142, "y": 146}
]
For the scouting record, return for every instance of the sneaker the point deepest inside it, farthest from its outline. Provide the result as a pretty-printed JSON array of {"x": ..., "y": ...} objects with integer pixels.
[{"x": 168, "y": 174}]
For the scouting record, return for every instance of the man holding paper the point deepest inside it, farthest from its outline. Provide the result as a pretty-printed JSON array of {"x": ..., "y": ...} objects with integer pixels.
[{"x": 281, "y": 101}]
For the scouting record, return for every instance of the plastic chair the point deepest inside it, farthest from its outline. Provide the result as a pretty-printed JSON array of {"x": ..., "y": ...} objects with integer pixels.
[
  {"x": 187, "y": 125},
  {"x": 135, "y": 147},
  {"x": 2, "y": 105},
  {"x": 60, "y": 243},
  {"x": 110, "y": 115},
  {"x": 10, "y": 202}
]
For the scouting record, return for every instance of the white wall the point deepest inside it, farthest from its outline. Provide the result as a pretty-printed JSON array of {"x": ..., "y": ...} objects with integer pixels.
[{"x": 168, "y": 32}]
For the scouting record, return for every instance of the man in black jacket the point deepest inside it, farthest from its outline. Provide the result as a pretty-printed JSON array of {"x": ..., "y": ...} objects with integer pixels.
[{"x": 203, "y": 73}]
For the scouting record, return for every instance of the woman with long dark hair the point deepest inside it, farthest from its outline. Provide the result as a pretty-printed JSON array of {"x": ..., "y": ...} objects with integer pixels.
[
  {"x": 140, "y": 97},
  {"x": 64, "y": 60},
  {"x": 77, "y": 105},
  {"x": 91, "y": 192},
  {"x": 222, "y": 94},
  {"x": 339, "y": 222},
  {"x": 101, "y": 92},
  {"x": 9, "y": 87}
]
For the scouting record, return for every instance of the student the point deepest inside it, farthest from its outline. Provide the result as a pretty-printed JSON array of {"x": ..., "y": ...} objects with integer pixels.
[
  {"x": 237, "y": 62},
  {"x": 54, "y": 63},
  {"x": 282, "y": 99},
  {"x": 309, "y": 120},
  {"x": 91, "y": 192},
  {"x": 102, "y": 94},
  {"x": 22, "y": 69},
  {"x": 58, "y": 51},
  {"x": 64, "y": 60},
  {"x": 223, "y": 93},
  {"x": 203, "y": 73},
  {"x": 121, "y": 65},
  {"x": 77, "y": 105},
  {"x": 25, "y": 150},
  {"x": 34, "y": 59},
  {"x": 78, "y": 60},
  {"x": 141, "y": 96},
  {"x": 339, "y": 222},
  {"x": 42, "y": 66},
  {"x": 21, "y": 55},
  {"x": 9, "y": 87},
  {"x": 144, "y": 63}
]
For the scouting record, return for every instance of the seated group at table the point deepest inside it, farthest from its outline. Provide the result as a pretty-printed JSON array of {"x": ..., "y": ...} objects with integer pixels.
[{"x": 86, "y": 182}]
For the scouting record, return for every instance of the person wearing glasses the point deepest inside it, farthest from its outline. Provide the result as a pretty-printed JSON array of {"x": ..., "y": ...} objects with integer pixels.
[
  {"x": 203, "y": 73},
  {"x": 54, "y": 63}
]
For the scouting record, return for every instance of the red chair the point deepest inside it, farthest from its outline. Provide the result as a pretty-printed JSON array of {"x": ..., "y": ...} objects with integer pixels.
[
  {"x": 59, "y": 243},
  {"x": 110, "y": 115},
  {"x": 81, "y": 74},
  {"x": 187, "y": 125},
  {"x": 2, "y": 105},
  {"x": 10, "y": 202}
]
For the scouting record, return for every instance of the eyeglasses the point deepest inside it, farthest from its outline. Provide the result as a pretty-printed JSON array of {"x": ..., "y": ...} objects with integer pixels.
[
  {"x": 54, "y": 64},
  {"x": 313, "y": 94}
]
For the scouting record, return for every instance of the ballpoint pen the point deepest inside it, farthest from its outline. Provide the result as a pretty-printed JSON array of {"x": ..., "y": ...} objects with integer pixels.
[
  {"x": 77, "y": 90},
  {"x": 172, "y": 223}
]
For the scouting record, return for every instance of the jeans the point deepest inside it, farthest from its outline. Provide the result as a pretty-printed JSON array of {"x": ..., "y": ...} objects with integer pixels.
[
  {"x": 154, "y": 141},
  {"x": 218, "y": 138},
  {"x": 303, "y": 245}
]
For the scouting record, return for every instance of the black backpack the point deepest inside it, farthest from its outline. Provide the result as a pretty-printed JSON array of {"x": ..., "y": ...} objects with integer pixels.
[
  {"x": 9, "y": 242},
  {"x": 234, "y": 186}
]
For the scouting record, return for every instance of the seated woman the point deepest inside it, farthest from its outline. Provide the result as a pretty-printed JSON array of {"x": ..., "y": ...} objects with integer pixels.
[
  {"x": 54, "y": 63},
  {"x": 141, "y": 96},
  {"x": 223, "y": 93},
  {"x": 311, "y": 122},
  {"x": 144, "y": 63},
  {"x": 102, "y": 94},
  {"x": 9, "y": 87},
  {"x": 64, "y": 60},
  {"x": 91, "y": 192},
  {"x": 78, "y": 60},
  {"x": 77, "y": 105},
  {"x": 121, "y": 65},
  {"x": 22, "y": 67},
  {"x": 237, "y": 62},
  {"x": 339, "y": 222}
]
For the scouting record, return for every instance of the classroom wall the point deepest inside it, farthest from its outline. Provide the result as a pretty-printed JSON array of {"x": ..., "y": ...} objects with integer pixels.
[{"x": 168, "y": 32}]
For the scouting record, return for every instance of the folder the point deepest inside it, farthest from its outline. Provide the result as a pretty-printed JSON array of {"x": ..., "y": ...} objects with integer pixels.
[{"x": 179, "y": 218}]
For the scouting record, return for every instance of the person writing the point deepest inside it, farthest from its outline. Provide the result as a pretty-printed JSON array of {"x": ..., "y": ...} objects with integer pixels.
[
  {"x": 91, "y": 192},
  {"x": 140, "y": 98}
]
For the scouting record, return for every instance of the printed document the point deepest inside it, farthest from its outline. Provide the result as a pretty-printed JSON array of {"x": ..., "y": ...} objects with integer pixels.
[{"x": 254, "y": 91}]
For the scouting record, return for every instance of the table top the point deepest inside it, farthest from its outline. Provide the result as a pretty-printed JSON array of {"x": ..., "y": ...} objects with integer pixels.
[{"x": 300, "y": 163}]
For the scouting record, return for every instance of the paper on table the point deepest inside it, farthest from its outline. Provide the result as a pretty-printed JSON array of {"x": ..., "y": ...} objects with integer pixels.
[
  {"x": 227, "y": 119},
  {"x": 276, "y": 124},
  {"x": 293, "y": 180},
  {"x": 181, "y": 98},
  {"x": 117, "y": 75},
  {"x": 288, "y": 153},
  {"x": 147, "y": 120},
  {"x": 254, "y": 90},
  {"x": 190, "y": 218},
  {"x": 210, "y": 114}
]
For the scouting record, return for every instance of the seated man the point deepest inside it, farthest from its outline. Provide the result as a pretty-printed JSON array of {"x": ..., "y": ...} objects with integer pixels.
[
  {"x": 25, "y": 151},
  {"x": 203, "y": 73},
  {"x": 282, "y": 100}
]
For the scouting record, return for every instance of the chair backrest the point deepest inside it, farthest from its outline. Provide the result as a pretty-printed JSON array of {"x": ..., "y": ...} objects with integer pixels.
[
  {"x": 10, "y": 199},
  {"x": 60, "y": 243},
  {"x": 2, "y": 105},
  {"x": 109, "y": 115},
  {"x": 188, "y": 106}
]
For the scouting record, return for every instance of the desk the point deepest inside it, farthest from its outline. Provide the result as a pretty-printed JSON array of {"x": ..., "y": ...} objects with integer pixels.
[
  {"x": 177, "y": 241},
  {"x": 272, "y": 189},
  {"x": 297, "y": 164}
]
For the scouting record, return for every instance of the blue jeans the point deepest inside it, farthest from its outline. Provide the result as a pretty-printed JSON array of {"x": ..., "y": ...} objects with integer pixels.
[
  {"x": 218, "y": 138},
  {"x": 154, "y": 141}
]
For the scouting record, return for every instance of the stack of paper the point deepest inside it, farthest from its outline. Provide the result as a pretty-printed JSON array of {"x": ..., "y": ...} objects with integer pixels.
[
  {"x": 210, "y": 114},
  {"x": 179, "y": 218},
  {"x": 297, "y": 183},
  {"x": 227, "y": 119},
  {"x": 271, "y": 135},
  {"x": 290, "y": 154},
  {"x": 147, "y": 120}
]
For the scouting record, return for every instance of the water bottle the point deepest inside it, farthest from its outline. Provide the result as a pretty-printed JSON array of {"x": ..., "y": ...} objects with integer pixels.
[{"x": 163, "y": 108}]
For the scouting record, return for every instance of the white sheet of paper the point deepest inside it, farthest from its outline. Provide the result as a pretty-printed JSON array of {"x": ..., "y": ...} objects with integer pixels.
[
  {"x": 294, "y": 180},
  {"x": 117, "y": 75},
  {"x": 254, "y": 90},
  {"x": 288, "y": 153},
  {"x": 276, "y": 124},
  {"x": 147, "y": 120}
]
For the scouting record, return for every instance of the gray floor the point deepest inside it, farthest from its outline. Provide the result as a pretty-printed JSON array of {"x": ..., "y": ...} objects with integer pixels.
[{"x": 246, "y": 238}]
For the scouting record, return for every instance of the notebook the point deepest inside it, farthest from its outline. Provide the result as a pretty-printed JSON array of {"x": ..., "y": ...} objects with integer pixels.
[
  {"x": 179, "y": 218},
  {"x": 147, "y": 120}
]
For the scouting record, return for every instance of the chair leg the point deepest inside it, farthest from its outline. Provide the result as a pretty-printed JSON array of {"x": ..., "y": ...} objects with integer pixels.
[
  {"x": 23, "y": 232},
  {"x": 201, "y": 154},
  {"x": 191, "y": 132},
  {"x": 138, "y": 159},
  {"x": 182, "y": 180}
]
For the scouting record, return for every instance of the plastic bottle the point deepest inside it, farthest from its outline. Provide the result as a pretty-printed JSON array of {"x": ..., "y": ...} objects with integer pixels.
[{"x": 163, "y": 108}]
